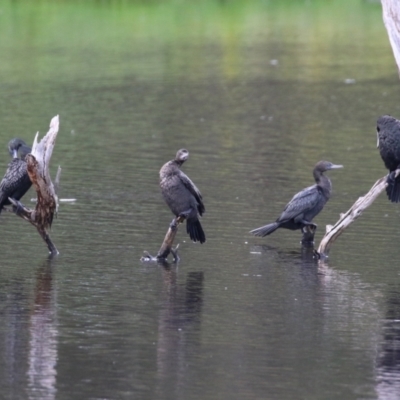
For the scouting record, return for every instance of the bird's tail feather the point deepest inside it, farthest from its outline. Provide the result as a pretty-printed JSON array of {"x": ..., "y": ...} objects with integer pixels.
[
  {"x": 195, "y": 230},
  {"x": 265, "y": 230},
  {"x": 393, "y": 188}
]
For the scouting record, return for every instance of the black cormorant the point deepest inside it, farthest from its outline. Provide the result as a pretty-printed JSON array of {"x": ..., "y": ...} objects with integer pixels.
[
  {"x": 15, "y": 182},
  {"x": 305, "y": 205},
  {"x": 182, "y": 196},
  {"x": 388, "y": 133}
]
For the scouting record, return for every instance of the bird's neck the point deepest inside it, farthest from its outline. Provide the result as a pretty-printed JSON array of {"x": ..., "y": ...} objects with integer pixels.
[
  {"x": 324, "y": 183},
  {"x": 178, "y": 162}
]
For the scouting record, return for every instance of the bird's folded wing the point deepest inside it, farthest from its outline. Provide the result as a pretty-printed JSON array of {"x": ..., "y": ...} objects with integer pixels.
[
  {"x": 301, "y": 203},
  {"x": 193, "y": 190}
]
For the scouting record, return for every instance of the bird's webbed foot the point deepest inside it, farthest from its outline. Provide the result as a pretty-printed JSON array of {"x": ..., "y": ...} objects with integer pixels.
[
  {"x": 174, "y": 224},
  {"x": 308, "y": 230},
  {"x": 392, "y": 176},
  {"x": 176, "y": 221},
  {"x": 310, "y": 226},
  {"x": 185, "y": 214}
]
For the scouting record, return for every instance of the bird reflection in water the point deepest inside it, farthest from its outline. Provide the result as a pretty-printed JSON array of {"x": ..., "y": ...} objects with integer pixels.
[
  {"x": 43, "y": 332},
  {"x": 388, "y": 371},
  {"x": 178, "y": 330}
]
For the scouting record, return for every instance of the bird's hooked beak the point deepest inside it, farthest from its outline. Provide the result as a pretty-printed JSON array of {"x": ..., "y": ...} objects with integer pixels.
[
  {"x": 14, "y": 153},
  {"x": 377, "y": 138},
  {"x": 336, "y": 166}
]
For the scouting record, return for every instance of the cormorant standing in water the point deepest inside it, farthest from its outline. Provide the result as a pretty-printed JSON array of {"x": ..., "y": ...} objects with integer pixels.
[
  {"x": 15, "y": 182},
  {"x": 388, "y": 133},
  {"x": 182, "y": 195},
  {"x": 305, "y": 205}
]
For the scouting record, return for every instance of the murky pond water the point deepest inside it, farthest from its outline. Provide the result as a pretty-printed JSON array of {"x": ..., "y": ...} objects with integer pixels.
[{"x": 258, "y": 92}]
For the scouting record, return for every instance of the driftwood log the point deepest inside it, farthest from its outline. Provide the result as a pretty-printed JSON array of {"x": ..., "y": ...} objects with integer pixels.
[
  {"x": 166, "y": 247},
  {"x": 38, "y": 162}
]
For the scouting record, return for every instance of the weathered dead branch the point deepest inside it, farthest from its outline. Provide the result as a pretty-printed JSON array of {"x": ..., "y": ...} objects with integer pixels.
[
  {"x": 57, "y": 181},
  {"x": 166, "y": 247},
  {"x": 333, "y": 232},
  {"x": 38, "y": 162},
  {"x": 391, "y": 18}
]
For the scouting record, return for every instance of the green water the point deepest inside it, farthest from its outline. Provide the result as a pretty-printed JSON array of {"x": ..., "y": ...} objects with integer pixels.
[{"x": 258, "y": 92}]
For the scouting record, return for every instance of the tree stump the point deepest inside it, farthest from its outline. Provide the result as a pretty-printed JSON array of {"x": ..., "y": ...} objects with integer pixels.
[{"x": 166, "y": 247}]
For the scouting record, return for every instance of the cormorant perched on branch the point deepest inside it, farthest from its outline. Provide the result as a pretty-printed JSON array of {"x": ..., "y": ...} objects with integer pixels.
[
  {"x": 388, "y": 133},
  {"x": 305, "y": 205},
  {"x": 15, "y": 182},
  {"x": 182, "y": 195}
]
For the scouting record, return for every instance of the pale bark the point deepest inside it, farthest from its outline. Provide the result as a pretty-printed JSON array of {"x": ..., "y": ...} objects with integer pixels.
[
  {"x": 333, "y": 232},
  {"x": 391, "y": 18}
]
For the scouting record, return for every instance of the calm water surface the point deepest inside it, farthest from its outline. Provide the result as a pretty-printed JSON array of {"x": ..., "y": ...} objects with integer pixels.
[{"x": 258, "y": 92}]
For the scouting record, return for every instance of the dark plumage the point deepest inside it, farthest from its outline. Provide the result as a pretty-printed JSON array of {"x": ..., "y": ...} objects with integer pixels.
[
  {"x": 15, "y": 182},
  {"x": 182, "y": 196},
  {"x": 305, "y": 205},
  {"x": 388, "y": 133}
]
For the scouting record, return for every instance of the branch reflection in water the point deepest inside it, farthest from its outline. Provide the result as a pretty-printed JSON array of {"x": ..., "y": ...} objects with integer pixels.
[
  {"x": 337, "y": 315},
  {"x": 43, "y": 332},
  {"x": 13, "y": 334},
  {"x": 178, "y": 331}
]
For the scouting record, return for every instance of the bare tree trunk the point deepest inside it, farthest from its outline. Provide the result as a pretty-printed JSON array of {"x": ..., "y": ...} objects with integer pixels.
[
  {"x": 391, "y": 18},
  {"x": 38, "y": 162}
]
